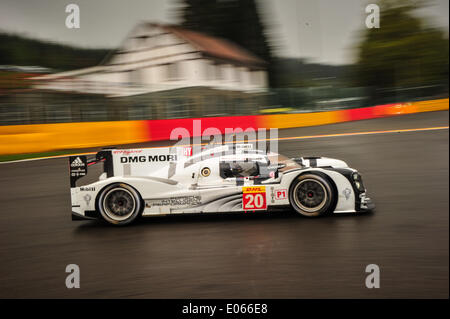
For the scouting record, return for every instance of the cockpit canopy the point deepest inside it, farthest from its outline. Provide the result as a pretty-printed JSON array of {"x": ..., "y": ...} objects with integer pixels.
[{"x": 238, "y": 168}]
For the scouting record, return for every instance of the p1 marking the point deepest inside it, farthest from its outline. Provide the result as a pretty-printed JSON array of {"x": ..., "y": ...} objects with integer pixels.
[{"x": 281, "y": 194}]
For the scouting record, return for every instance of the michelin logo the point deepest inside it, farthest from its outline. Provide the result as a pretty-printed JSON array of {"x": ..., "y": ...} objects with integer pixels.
[
  {"x": 77, "y": 162},
  {"x": 175, "y": 201}
]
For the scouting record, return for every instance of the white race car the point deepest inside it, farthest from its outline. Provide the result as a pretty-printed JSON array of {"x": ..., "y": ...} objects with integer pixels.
[{"x": 225, "y": 178}]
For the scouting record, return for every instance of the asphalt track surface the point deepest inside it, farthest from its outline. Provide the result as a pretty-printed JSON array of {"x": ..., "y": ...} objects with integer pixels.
[{"x": 247, "y": 255}]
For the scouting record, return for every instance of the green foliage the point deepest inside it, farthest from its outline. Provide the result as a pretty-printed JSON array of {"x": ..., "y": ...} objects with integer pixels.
[
  {"x": 297, "y": 72},
  {"x": 404, "y": 51},
  {"x": 17, "y": 50},
  {"x": 235, "y": 20}
]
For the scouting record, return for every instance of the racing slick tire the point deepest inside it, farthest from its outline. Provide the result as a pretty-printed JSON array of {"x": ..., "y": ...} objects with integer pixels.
[
  {"x": 311, "y": 195},
  {"x": 119, "y": 204}
]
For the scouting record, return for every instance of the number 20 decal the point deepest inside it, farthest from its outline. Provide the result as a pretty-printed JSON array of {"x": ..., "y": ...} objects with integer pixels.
[{"x": 254, "y": 198}]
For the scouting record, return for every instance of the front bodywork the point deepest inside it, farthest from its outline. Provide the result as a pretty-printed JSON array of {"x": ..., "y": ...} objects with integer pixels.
[{"x": 171, "y": 181}]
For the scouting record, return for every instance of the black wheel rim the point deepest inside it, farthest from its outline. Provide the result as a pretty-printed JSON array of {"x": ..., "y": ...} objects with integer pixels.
[
  {"x": 119, "y": 204},
  {"x": 310, "y": 195}
]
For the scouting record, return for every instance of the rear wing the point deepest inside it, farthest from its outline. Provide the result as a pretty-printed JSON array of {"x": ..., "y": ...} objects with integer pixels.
[
  {"x": 123, "y": 162},
  {"x": 78, "y": 165}
]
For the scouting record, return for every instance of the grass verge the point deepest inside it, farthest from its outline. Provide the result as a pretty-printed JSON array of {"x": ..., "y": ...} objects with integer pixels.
[{"x": 15, "y": 157}]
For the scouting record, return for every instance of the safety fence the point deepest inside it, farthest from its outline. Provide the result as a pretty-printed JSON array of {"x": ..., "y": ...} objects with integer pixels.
[{"x": 33, "y": 138}]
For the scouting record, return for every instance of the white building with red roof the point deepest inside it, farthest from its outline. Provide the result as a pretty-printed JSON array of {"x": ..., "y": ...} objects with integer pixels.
[{"x": 157, "y": 58}]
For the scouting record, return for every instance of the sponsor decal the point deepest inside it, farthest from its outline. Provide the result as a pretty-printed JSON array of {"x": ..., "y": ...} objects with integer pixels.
[
  {"x": 149, "y": 158},
  {"x": 347, "y": 192},
  {"x": 254, "y": 189},
  {"x": 243, "y": 147},
  {"x": 206, "y": 171},
  {"x": 77, "y": 162},
  {"x": 254, "y": 198},
  {"x": 78, "y": 166},
  {"x": 87, "y": 189},
  {"x": 281, "y": 194},
  {"x": 175, "y": 201},
  {"x": 187, "y": 151},
  {"x": 127, "y": 152},
  {"x": 87, "y": 198},
  {"x": 272, "y": 195},
  {"x": 78, "y": 172}
]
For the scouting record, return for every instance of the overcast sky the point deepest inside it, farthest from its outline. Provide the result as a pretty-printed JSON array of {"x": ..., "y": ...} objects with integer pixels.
[{"x": 322, "y": 30}]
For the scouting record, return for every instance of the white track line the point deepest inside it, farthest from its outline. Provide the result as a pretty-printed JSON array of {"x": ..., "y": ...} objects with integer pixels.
[{"x": 264, "y": 139}]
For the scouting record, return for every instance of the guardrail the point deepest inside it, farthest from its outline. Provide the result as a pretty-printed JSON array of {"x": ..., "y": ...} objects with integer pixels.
[{"x": 19, "y": 139}]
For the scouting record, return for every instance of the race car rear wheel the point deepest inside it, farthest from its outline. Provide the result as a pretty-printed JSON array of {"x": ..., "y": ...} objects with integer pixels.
[
  {"x": 119, "y": 204},
  {"x": 311, "y": 195}
]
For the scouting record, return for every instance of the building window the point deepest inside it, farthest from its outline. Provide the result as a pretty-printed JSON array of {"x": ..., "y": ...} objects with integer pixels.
[
  {"x": 135, "y": 76},
  {"x": 172, "y": 71},
  {"x": 255, "y": 78},
  {"x": 219, "y": 72},
  {"x": 244, "y": 76},
  {"x": 210, "y": 71},
  {"x": 236, "y": 74}
]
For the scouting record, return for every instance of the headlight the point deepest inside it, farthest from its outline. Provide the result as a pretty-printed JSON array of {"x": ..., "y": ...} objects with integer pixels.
[{"x": 357, "y": 179}]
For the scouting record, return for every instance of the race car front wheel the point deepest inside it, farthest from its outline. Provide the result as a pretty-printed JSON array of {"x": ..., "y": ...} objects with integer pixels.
[
  {"x": 119, "y": 204},
  {"x": 311, "y": 195}
]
